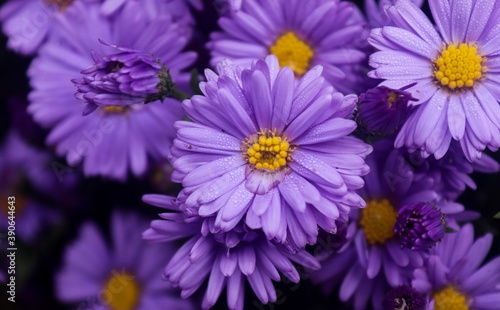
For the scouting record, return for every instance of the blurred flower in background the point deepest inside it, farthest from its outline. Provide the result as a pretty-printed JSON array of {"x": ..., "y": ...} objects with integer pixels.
[
  {"x": 121, "y": 276},
  {"x": 114, "y": 139},
  {"x": 300, "y": 34},
  {"x": 26, "y": 174}
]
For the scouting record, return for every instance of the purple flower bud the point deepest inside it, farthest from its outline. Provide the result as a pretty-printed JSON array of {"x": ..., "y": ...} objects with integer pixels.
[
  {"x": 403, "y": 297},
  {"x": 382, "y": 110},
  {"x": 122, "y": 79},
  {"x": 420, "y": 226}
]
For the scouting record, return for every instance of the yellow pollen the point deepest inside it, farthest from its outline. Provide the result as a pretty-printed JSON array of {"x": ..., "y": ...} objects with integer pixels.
[
  {"x": 449, "y": 298},
  {"x": 267, "y": 151},
  {"x": 378, "y": 220},
  {"x": 392, "y": 98},
  {"x": 293, "y": 53},
  {"x": 459, "y": 66},
  {"x": 113, "y": 109},
  {"x": 121, "y": 291}
]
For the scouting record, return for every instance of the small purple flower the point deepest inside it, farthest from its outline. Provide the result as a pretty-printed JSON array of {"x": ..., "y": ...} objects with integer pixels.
[
  {"x": 301, "y": 34},
  {"x": 382, "y": 111},
  {"x": 272, "y": 150},
  {"x": 226, "y": 259},
  {"x": 420, "y": 226},
  {"x": 372, "y": 261},
  {"x": 405, "y": 298},
  {"x": 455, "y": 67},
  {"x": 122, "y": 79},
  {"x": 453, "y": 278},
  {"x": 113, "y": 140},
  {"x": 118, "y": 277}
]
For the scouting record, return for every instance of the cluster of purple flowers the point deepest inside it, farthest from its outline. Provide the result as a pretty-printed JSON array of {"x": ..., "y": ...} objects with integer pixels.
[{"x": 314, "y": 120}]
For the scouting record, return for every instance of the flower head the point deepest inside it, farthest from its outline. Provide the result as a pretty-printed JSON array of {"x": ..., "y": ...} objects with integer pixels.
[
  {"x": 116, "y": 278},
  {"x": 420, "y": 226},
  {"x": 226, "y": 259},
  {"x": 122, "y": 79},
  {"x": 114, "y": 139},
  {"x": 453, "y": 278},
  {"x": 382, "y": 111},
  {"x": 272, "y": 150},
  {"x": 455, "y": 71},
  {"x": 373, "y": 260},
  {"x": 300, "y": 34}
]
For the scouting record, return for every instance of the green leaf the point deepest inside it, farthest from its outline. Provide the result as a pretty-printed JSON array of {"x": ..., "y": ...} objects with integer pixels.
[{"x": 497, "y": 216}]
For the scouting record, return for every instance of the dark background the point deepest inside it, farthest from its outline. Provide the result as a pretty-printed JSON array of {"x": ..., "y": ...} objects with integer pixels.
[{"x": 94, "y": 198}]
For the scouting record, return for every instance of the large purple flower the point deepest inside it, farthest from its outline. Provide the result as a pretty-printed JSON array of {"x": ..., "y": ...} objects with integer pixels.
[
  {"x": 456, "y": 70},
  {"x": 374, "y": 259},
  {"x": 453, "y": 277},
  {"x": 271, "y": 149},
  {"x": 122, "y": 276},
  {"x": 113, "y": 139},
  {"x": 226, "y": 259},
  {"x": 300, "y": 34}
]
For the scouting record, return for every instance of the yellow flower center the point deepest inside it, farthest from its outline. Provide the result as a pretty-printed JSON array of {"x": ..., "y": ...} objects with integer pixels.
[
  {"x": 121, "y": 291},
  {"x": 114, "y": 109},
  {"x": 267, "y": 151},
  {"x": 449, "y": 298},
  {"x": 459, "y": 67},
  {"x": 378, "y": 220},
  {"x": 63, "y": 4},
  {"x": 293, "y": 53}
]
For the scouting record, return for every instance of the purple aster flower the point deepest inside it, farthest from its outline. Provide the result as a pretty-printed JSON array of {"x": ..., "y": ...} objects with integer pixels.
[
  {"x": 23, "y": 167},
  {"x": 300, "y": 34},
  {"x": 405, "y": 298},
  {"x": 113, "y": 139},
  {"x": 455, "y": 68},
  {"x": 376, "y": 12},
  {"x": 373, "y": 260},
  {"x": 419, "y": 226},
  {"x": 453, "y": 278},
  {"x": 271, "y": 149},
  {"x": 226, "y": 259},
  {"x": 118, "y": 277},
  {"x": 381, "y": 110},
  {"x": 122, "y": 79},
  {"x": 28, "y": 22}
]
